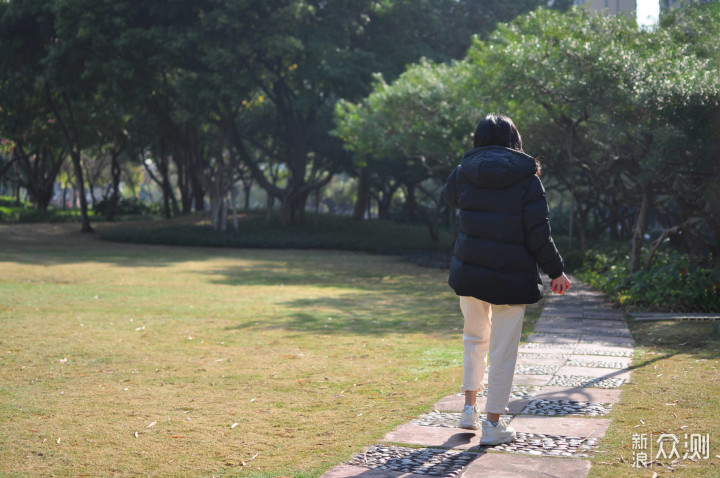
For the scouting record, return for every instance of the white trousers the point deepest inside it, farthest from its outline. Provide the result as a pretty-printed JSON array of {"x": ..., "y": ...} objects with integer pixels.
[{"x": 497, "y": 329}]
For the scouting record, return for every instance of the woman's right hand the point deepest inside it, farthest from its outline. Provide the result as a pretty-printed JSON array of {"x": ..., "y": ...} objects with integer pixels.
[{"x": 560, "y": 285}]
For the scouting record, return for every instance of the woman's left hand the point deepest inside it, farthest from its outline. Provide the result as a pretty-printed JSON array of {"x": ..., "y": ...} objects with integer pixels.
[{"x": 560, "y": 285}]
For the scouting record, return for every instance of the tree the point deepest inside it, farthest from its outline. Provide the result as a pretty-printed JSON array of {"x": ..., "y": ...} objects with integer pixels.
[
  {"x": 605, "y": 105},
  {"x": 411, "y": 129}
]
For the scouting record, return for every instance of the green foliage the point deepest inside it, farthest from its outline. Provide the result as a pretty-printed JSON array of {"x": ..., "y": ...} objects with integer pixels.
[
  {"x": 672, "y": 283},
  {"x": 425, "y": 113},
  {"x": 133, "y": 206},
  {"x": 571, "y": 253},
  {"x": 7, "y": 202},
  {"x": 319, "y": 232},
  {"x": 26, "y": 214}
]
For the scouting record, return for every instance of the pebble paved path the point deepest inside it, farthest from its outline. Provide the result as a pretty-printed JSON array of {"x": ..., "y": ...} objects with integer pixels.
[{"x": 568, "y": 376}]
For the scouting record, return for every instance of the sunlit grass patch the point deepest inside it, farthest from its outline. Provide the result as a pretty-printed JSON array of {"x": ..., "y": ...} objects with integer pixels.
[
  {"x": 131, "y": 359},
  {"x": 674, "y": 390}
]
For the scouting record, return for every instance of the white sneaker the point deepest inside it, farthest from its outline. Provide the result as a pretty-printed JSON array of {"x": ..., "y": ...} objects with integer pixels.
[
  {"x": 496, "y": 434},
  {"x": 469, "y": 418}
]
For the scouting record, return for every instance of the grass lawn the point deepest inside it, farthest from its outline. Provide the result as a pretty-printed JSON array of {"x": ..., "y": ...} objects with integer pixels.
[
  {"x": 121, "y": 359},
  {"x": 124, "y": 359},
  {"x": 675, "y": 389}
]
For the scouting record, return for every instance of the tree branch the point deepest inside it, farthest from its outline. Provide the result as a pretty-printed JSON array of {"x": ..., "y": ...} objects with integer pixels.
[{"x": 667, "y": 232}]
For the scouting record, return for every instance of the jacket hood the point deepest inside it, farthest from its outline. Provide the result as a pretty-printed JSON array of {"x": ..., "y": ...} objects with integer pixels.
[{"x": 496, "y": 166}]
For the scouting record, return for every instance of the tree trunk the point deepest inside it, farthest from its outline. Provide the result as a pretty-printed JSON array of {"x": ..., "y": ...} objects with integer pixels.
[
  {"x": 384, "y": 206},
  {"x": 233, "y": 199},
  {"x": 363, "y": 195},
  {"x": 114, "y": 198},
  {"x": 223, "y": 214},
  {"x": 410, "y": 202},
  {"x": 572, "y": 211},
  {"x": 91, "y": 188},
  {"x": 246, "y": 204},
  {"x": 80, "y": 180},
  {"x": 269, "y": 203},
  {"x": 183, "y": 181},
  {"x": 639, "y": 232},
  {"x": 664, "y": 235}
]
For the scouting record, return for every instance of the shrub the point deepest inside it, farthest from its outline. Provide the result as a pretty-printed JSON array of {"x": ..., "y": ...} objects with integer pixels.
[
  {"x": 126, "y": 206},
  {"x": 673, "y": 282}
]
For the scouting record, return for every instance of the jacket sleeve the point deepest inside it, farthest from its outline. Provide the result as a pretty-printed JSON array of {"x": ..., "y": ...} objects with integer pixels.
[
  {"x": 449, "y": 192},
  {"x": 536, "y": 225}
]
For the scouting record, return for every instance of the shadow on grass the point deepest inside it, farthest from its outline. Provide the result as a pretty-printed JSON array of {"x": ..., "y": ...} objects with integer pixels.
[
  {"x": 367, "y": 313},
  {"x": 669, "y": 337}
]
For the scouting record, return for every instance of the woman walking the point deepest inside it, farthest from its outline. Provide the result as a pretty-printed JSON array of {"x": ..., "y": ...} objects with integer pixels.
[{"x": 504, "y": 236}]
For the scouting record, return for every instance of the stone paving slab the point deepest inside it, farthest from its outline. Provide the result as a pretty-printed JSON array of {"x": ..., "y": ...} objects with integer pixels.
[
  {"x": 522, "y": 466},
  {"x": 561, "y": 311},
  {"x": 554, "y": 338},
  {"x": 536, "y": 354},
  {"x": 604, "y": 324},
  {"x": 434, "y": 436},
  {"x": 610, "y": 351},
  {"x": 602, "y": 395},
  {"x": 420, "y": 461},
  {"x": 536, "y": 369},
  {"x": 607, "y": 331},
  {"x": 599, "y": 361},
  {"x": 599, "y": 315},
  {"x": 594, "y": 372},
  {"x": 536, "y": 347},
  {"x": 559, "y": 329},
  {"x": 559, "y": 408},
  {"x": 347, "y": 471},
  {"x": 455, "y": 403},
  {"x": 565, "y": 426},
  {"x": 560, "y": 321},
  {"x": 607, "y": 340},
  {"x": 532, "y": 379},
  {"x": 585, "y": 381},
  {"x": 446, "y": 419},
  {"x": 541, "y": 361}
]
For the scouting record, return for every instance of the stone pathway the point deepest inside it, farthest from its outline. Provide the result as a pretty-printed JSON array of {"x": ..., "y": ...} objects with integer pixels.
[{"x": 566, "y": 380}]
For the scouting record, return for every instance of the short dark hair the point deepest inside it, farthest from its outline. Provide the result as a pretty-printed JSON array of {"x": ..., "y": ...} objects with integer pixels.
[{"x": 497, "y": 130}]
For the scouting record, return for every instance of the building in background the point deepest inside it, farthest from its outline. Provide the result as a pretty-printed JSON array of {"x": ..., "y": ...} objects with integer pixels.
[{"x": 613, "y": 7}]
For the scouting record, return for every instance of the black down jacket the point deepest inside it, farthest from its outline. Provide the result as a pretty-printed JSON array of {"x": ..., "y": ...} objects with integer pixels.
[{"x": 504, "y": 228}]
